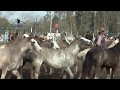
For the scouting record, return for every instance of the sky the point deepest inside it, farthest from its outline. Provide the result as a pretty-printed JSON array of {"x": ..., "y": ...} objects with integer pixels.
[{"x": 18, "y": 14}]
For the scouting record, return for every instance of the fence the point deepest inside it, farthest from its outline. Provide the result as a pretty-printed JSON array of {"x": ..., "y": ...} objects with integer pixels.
[{"x": 2, "y": 31}]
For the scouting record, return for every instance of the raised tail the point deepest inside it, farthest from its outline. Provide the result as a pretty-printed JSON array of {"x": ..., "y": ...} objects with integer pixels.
[{"x": 87, "y": 66}]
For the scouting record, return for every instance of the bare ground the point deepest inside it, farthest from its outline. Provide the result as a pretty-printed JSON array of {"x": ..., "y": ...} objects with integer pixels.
[{"x": 58, "y": 74}]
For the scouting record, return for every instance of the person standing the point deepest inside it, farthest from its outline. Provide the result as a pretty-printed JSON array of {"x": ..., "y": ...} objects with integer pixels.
[{"x": 101, "y": 38}]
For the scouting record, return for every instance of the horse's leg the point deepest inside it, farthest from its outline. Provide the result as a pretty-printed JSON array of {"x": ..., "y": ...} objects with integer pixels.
[
  {"x": 75, "y": 69},
  {"x": 36, "y": 73},
  {"x": 37, "y": 65},
  {"x": 17, "y": 74},
  {"x": 21, "y": 67},
  {"x": 32, "y": 72},
  {"x": 4, "y": 72},
  {"x": 79, "y": 76},
  {"x": 9, "y": 76},
  {"x": 51, "y": 71},
  {"x": 108, "y": 73},
  {"x": 64, "y": 75},
  {"x": 96, "y": 72},
  {"x": 68, "y": 70},
  {"x": 113, "y": 72},
  {"x": 45, "y": 68},
  {"x": 101, "y": 70}
]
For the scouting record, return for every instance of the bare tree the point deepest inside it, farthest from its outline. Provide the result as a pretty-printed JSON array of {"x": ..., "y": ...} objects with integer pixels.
[{"x": 6, "y": 14}]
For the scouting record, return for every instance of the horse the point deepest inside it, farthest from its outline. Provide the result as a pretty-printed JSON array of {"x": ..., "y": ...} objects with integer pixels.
[
  {"x": 68, "y": 36},
  {"x": 12, "y": 61},
  {"x": 39, "y": 39},
  {"x": 87, "y": 40},
  {"x": 113, "y": 43},
  {"x": 54, "y": 45},
  {"x": 12, "y": 36},
  {"x": 29, "y": 55},
  {"x": 81, "y": 55},
  {"x": 23, "y": 36},
  {"x": 100, "y": 58},
  {"x": 62, "y": 42},
  {"x": 49, "y": 44},
  {"x": 62, "y": 58},
  {"x": 58, "y": 44}
]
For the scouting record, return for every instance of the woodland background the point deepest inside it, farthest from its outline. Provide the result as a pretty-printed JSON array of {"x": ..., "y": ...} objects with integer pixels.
[{"x": 76, "y": 22}]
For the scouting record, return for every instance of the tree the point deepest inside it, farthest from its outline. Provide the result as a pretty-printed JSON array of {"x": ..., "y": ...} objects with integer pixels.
[
  {"x": 62, "y": 20},
  {"x": 70, "y": 19},
  {"x": 4, "y": 23},
  {"x": 77, "y": 22},
  {"x": 6, "y": 14},
  {"x": 78, "y": 16},
  {"x": 92, "y": 21},
  {"x": 55, "y": 20}
]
